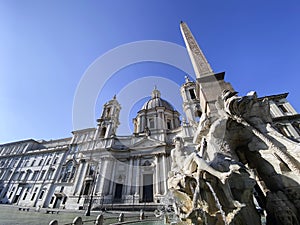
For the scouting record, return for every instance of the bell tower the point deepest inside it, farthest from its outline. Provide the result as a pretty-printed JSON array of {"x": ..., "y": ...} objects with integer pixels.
[
  {"x": 190, "y": 99},
  {"x": 109, "y": 120}
]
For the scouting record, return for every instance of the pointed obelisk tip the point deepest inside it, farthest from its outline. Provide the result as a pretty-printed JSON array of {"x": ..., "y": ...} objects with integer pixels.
[{"x": 199, "y": 62}]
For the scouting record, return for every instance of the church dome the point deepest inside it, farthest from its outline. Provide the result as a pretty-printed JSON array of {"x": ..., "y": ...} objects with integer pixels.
[
  {"x": 157, "y": 101},
  {"x": 156, "y": 115}
]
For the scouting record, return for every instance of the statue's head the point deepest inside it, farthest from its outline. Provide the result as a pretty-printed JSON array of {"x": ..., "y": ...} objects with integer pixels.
[{"x": 178, "y": 141}]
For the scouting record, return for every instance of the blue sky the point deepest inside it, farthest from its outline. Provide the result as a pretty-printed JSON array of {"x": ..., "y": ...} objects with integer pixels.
[{"x": 47, "y": 46}]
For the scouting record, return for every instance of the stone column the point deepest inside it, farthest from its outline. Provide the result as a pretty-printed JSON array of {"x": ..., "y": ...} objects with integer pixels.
[
  {"x": 164, "y": 125},
  {"x": 164, "y": 165},
  {"x": 161, "y": 125},
  {"x": 138, "y": 125},
  {"x": 137, "y": 184},
  {"x": 157, "y": 191},
  {"x": 129, "y": 177},
  {"x": 112, "y": 179},
  {"x": 99, "y": 177},
  {"x": 80, "y": 176},
  {"x": 143, "y": 123},
  {"x": 107, "y": 177},
  {"x": 102, "y": 180}
]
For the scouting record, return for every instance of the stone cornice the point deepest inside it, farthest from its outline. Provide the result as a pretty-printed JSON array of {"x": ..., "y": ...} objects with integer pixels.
[
  {"x": 19, "y": 142},
  {"x": 274, "y": 97},
  {"x": 212, "y": 77},
  {"x": 37, "y": 152},
  {"x": 286, "y": 117}
]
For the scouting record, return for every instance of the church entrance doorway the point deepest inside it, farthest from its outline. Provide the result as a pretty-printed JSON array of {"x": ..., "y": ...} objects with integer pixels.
[
  {"x": 147, "y": 188},
  {"x": 118, "y": 192},
  {"x": 57, "y": 202}
]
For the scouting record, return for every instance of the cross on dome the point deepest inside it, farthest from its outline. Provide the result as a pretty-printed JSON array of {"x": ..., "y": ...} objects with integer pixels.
[{"x": 155, "y": 93}]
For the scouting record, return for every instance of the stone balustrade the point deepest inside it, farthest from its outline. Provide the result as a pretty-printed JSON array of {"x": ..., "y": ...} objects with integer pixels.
[{"x": 100, "y": 220}]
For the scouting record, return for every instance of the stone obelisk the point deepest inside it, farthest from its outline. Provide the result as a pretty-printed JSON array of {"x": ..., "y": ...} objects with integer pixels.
[{"x": 209, "y": 84}]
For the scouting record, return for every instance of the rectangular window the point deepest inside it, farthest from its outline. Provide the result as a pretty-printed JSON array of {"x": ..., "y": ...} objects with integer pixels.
[
  {"x": 40, "y": 162},
  {"x": 296, "y": 126},
  {"x": 33, "y": 162},
  {"x": 103, "y": 132},
  {"x": 42, "y": 194},
  {"x": 25, "y": 195},
  {"x": 52, "y": 200},
  {"x": 282, "y": 108},
  {"x": 64, "y": 201},
  {"x": 21, "y": 175},
  {"x": 169, "y": 125},
  {"x": 48, "y": 162},
  {"x": 34, "y": 175},
  {"x": 11, "y": 193},
  {"x": 151, "y": 123},
  {"x": 27, "y": 175},
  {"x": 192, "y": 93},
  {"x": 55, "y": 160},
  {"x": 33, "y": 195},
  {"x": 42, "y": 175},
  {"x": 26, "y": 163},
  {"x": 49, "y": 175}
]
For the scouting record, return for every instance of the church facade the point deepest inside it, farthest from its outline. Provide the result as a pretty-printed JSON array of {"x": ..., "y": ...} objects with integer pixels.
[{"x": 97, "y": 167}]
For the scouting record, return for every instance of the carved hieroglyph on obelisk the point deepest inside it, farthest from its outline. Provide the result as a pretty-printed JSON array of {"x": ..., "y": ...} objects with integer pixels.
[
  {"x": 200, "y": 64},
  {"x": 210, "y": 85}
]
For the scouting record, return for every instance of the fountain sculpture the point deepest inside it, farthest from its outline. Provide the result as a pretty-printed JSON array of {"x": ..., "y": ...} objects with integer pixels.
[
  {"x": 224, "y": 190},
  {"x": 239, "y": 167}
]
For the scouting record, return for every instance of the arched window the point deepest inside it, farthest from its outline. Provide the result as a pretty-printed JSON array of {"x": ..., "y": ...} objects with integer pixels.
[
  {"x": 68, "y": 172},
  {"x": 103, "y": 132},
  {"x": 107, "y": 112},
  {"x": 192, "y": 94}
]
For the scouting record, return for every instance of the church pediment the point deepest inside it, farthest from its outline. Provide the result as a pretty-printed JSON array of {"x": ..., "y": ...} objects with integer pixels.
[{"x": 147, "y": 142}]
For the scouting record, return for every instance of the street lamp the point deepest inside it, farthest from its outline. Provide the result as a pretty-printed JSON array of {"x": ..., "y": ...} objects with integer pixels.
[{"x": 88, "y": 211}]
